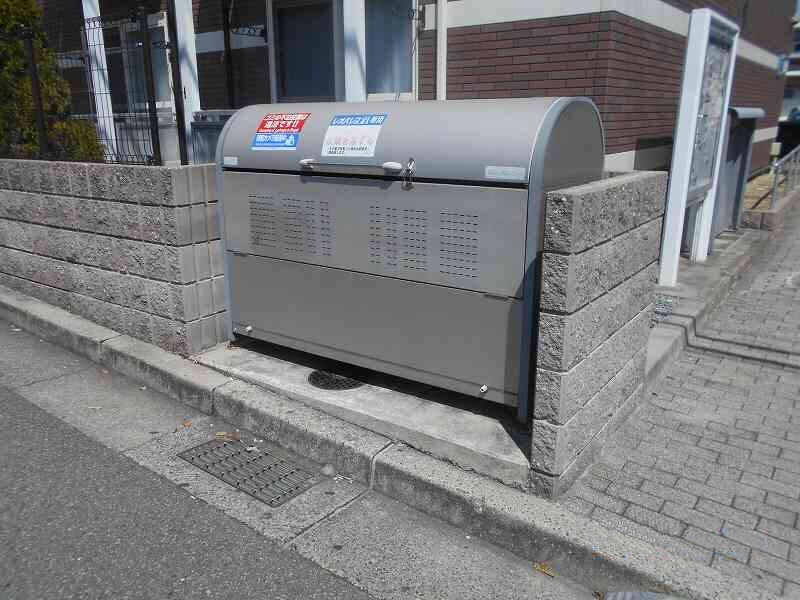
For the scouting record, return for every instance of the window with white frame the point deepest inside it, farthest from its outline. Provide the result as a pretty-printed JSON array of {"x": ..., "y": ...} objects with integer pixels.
[{"x": 390, "y": 49}]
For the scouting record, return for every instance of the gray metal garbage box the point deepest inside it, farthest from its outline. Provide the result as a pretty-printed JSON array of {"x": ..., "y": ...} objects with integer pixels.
[{"x": 400, "y": 236}]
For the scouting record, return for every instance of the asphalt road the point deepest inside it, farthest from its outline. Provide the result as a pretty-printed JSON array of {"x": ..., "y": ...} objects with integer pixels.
[
  {"x": 95, "y": 503},
  {"x": 79, "y": 520}
]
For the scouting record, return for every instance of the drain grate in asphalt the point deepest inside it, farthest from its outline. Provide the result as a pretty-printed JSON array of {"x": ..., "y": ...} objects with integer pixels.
[
  {"x": 265, "y": 476},
  {"x": 331, "y": 381}
]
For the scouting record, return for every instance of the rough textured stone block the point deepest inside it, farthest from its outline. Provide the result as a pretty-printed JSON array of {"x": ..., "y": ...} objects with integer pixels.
[
  {"x": 186, "y": 272},
  {"x": 566, "y": 339},
  {"x": 560, "y": 395},
  {"x": 569, "y": 281},
  {"x": 583, "y": 216},
  {"x": 59, "y": 211},
  {"x": 169, "y": 335},
  {"x": 179, "y": 183},
  {"x": 205, "y": 297},
  {"x": 53, "y": 296},
  {"x": 198, "y": 223},
  {"x": 116, "y": 244},
  {"x": 164, "y": 225},
  {"x": 145, "y": 185},
  {"x": 101, "y": 179},
  {"x": 554, "y": 447},
  {"x": 21, "y": 206},
  {"x": 218, "y": 293},
  {"x": 5, "y": 165},
  {"x": 210, "y": 172},
  {"x": 16, "y": 175},
  {"x": 197, "y": 185},
  {"x": 217, "y": 252},
  {"x": 549, "y": 484},
  {"x": 212, "y": 220},
  {"x": 100, "y": 216},
  {"x": 30, "y": 174},
  {"x": 173, "y": 301},
  {"x": 12, "y": 205},
  {"x": 202, "y": 261},
  {"x": 201, "y": 334},
  {"x": 59, "y": 177},
  {"x": 78, "y": 179}
]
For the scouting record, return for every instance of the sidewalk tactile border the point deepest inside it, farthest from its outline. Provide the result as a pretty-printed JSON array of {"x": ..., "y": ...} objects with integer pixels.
[{"x": 264, "y": 476}]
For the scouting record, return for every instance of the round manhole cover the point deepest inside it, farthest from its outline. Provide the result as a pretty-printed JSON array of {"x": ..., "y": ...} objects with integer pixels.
[{"x": 331, "y": 381}]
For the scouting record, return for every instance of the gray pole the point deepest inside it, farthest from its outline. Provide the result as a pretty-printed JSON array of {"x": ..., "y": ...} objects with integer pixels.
[
  {"x": 177, "y": 82},
  {"x": 36, "y": 93},
  {"x": 150, "y": 87}
]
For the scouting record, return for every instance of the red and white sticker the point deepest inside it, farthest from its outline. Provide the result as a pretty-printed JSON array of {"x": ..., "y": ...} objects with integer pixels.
[{"x": 283, "y": 122}]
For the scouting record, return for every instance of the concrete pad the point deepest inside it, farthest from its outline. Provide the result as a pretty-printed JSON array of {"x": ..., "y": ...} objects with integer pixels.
[
  {"x": 26, "y": 359},
  {"x": 395, "y": 552},
  {"x": 282, "y": 523},
  {"x": 108, "y": 407},
  {"x": 472, "y": 441}
]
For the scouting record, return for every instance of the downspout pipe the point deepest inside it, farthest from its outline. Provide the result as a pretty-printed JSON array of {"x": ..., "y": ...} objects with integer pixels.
[{"x": 441, "y": 49}]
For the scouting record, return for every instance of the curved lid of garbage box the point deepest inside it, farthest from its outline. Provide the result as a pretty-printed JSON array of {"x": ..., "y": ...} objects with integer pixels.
[{"x": 488, "y": 142}]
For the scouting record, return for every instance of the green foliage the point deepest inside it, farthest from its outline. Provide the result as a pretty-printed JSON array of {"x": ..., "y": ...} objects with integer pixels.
[
  {"x": 75, "y": 140},
  {"x": 18, "y": 135}
]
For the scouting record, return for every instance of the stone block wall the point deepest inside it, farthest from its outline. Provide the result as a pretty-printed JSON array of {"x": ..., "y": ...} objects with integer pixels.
[
  {"x": 601, "y": 244},
  {"x": 136, "y": 249}
]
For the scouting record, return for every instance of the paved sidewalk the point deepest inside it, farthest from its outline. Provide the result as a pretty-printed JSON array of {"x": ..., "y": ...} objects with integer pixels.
[
  {"x": 709, "y": 465},
  {"x": 763, "y": 309}
]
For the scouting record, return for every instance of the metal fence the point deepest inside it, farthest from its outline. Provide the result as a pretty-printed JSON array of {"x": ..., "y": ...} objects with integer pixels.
[
  {"x": 785, "y": 176},
  {"x": 117, "y": 61},
  {"x": 121, "y": 76}
]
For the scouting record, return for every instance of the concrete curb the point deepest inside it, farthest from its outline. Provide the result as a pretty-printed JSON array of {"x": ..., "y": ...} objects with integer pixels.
[{"x": 530, "y": 526}]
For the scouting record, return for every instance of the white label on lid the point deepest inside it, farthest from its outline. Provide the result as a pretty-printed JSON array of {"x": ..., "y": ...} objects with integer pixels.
[
  {"x": 230, "y": 161},
  {"x": 353, "y": 134},
  {"x": 505, "y": 173}
]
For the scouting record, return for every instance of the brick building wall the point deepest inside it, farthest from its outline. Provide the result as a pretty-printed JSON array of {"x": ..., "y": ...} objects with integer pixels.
[
  {"x": 630, "y": 68},
  {"x": 769, "y": 29}
]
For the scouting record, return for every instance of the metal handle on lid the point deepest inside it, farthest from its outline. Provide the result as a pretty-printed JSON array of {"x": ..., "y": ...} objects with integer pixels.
[
  {"x": 307, "y": 163},
  {"x": 392, "y": 166}
]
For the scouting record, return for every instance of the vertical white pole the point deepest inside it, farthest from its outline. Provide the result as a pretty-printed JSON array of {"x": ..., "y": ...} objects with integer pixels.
[
  {"x": 702, "y": 237},
  {"x": 441, "y": 49},
  {"x": 694, "y": 63},
  {"x": 187, "y": 60},
  {"x": 355, "y": 41},
  {"x": 98, "y": 73}
]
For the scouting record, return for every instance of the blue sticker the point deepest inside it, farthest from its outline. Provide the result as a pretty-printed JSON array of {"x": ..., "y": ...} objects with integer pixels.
[
  {"x": 275, "y": 141},
  {"x": 359, "y": 119}
]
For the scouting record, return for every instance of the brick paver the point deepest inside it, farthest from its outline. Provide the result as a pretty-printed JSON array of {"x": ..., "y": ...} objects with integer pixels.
[
  {"x": 763, "y": 309},
  {"x": 709, "y": 465}
]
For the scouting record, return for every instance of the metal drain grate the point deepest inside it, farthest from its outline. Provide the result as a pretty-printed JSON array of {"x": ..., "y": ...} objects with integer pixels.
[
  {"x": 264, "y": 476},
  {"x": 331, "y": 381}
]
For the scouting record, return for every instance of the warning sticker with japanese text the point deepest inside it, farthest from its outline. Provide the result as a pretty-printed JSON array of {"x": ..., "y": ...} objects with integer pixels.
[
  {"x": 353, "y": 135},
  {"x": 279, "y": 131},
  {"x": 283, "y": 122}
]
